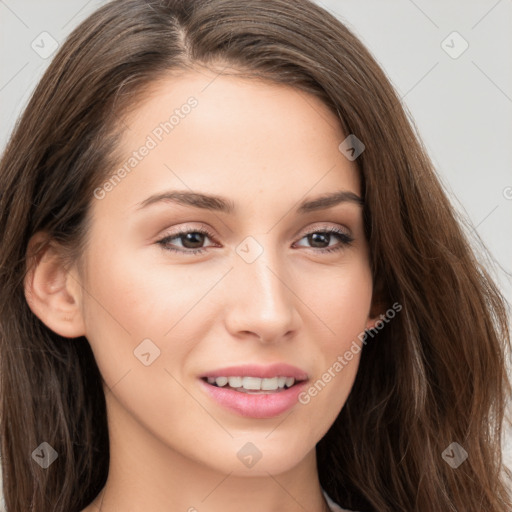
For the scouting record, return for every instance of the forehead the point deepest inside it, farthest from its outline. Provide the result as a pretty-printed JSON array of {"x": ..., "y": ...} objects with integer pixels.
[{"x": 231, "y": 136}]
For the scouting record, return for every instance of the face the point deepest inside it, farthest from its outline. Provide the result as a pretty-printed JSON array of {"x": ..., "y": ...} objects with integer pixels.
[{"x": 248, "y": 285}]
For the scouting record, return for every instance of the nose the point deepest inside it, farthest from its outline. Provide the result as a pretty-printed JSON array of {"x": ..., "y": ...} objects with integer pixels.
[{"x": 261, "y": 302}]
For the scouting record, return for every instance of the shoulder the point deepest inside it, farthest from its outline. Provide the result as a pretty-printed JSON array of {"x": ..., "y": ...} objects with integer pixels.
[{"x": 334, "y": 506}]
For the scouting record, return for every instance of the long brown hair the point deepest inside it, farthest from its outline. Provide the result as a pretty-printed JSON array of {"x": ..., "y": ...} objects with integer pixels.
[{"x": 433, "y": 376}]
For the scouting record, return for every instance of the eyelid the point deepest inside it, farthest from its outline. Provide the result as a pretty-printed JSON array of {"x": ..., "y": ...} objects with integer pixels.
[
  {"x": 323, "y": 227},
  {"x": 189, "y": 229},
  {"x": 204, "y": 229},
  {"x": 182, "y": 230}
]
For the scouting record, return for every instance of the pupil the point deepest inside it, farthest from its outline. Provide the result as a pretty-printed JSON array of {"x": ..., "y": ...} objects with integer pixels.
[
  {"x": 316, "y": 238},
  {"x": 193, "y": 238}
]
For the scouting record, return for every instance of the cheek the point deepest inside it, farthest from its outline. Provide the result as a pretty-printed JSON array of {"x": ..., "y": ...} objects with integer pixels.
[
  {"x": 143, "y": 301},
  {"x": 341, "y": 298},
  {"x": 342, "y": 303},
  {"x": 129, "y": 300},
  {"x": 131, "y": 310}
]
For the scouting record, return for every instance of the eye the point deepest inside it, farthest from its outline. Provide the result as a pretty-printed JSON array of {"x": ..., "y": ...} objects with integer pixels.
[
  {"x": 324, "y": 236},
  {"x": 192, "y": 240}
]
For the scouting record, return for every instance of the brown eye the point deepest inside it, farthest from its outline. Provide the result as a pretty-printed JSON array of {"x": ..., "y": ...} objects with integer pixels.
[
  {"x": 320, "y": 239},
  {"x": 191, "y": 241}
]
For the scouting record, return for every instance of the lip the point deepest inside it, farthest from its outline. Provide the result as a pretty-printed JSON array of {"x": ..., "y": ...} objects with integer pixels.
[
  {"x": 258, "y": 406},
  {"x": 254, "y": 370}
]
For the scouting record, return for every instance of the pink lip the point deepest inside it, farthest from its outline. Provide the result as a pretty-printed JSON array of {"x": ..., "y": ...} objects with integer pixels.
[
  {"x": 253, "y": 370},
  {"x": 255, "y": 405},
  {"x": 264, "y": 405}
]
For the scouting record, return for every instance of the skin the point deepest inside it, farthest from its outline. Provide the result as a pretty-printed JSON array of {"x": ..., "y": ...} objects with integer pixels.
[{"x": 266, "y": 147}]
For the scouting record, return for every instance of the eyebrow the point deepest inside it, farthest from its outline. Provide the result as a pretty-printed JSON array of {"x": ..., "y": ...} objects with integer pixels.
[{"x": 224, "y": 205}]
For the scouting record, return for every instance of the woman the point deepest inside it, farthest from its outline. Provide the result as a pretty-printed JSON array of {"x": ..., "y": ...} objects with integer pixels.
[{"x": 231, "y": 279}]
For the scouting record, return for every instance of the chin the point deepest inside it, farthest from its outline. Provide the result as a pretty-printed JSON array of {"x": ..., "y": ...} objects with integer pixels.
[{"x": 256, "y": 456}]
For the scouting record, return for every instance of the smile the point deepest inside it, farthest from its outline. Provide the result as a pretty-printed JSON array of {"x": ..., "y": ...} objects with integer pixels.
[{"x": 250, "y": 384}]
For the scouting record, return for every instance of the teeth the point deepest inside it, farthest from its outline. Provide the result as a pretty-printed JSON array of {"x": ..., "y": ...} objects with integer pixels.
[
  {"x": 235, "y": 382},
  {"x": 269, "y": 384},
  {"x": 253, "y": 383},
  {"x": 221, "y": 381}
]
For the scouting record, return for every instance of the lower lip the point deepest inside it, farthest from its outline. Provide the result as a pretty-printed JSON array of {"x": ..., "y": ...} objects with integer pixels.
[{"x": 257, "y": 405}]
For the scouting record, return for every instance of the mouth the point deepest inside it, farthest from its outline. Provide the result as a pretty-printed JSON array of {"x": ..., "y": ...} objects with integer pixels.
[
  {"x": 253, "y": 385},
  {"x": 255, "y": 391}
]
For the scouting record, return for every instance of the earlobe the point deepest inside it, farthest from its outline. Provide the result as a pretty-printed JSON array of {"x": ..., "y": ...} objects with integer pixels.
[
  {"x": 373, "y": 322},
  {"x": 377, "y": 311},
  {"x": 52, "y": 291}
]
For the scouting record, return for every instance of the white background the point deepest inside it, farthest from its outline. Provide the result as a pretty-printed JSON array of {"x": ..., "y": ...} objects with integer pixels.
[{"x": 462, "y": 107}]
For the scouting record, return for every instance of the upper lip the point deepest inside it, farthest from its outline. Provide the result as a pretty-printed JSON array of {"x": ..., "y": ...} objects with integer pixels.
[{"x": 262, "y": 371}]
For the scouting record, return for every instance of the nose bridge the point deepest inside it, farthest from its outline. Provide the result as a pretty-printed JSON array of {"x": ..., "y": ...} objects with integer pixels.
[{"x": 262, "y": 302}]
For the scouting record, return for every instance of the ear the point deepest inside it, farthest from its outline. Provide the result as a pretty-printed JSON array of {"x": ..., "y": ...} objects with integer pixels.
[
  {"x": 378, "y": 307},
  {"x": 371, "y": 323},
  {"x": 53, "y": 292}
]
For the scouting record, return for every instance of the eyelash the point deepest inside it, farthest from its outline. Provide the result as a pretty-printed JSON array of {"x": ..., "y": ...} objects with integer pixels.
[{"x": 346, "y": 240}]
